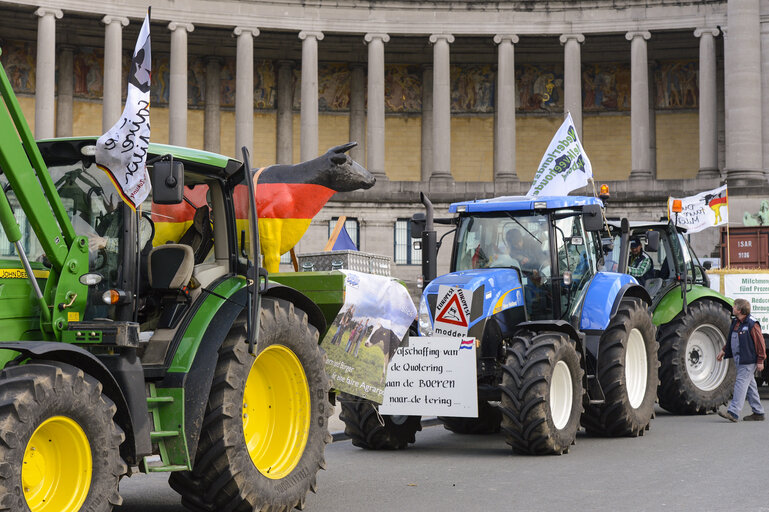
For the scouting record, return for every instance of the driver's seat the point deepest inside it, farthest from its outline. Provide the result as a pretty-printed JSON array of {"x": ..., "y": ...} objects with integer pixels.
[{"x": 170, "y": 269}]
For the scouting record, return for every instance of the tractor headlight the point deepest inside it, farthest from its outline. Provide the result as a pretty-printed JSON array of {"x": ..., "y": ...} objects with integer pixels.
[{"x": 425, "y": 325}]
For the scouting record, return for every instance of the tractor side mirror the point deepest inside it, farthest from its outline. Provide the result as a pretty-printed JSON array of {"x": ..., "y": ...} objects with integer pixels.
[
  {"x": 167, "y": 182},
  {"x": 708, "y": 265},
  {"x": 652, "y": 241},
  {"x": 417, "y": 224},
  {"x": 592, "y": 218}
]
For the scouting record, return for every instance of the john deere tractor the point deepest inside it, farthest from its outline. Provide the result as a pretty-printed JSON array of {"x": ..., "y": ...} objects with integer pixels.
[
  {"x": 560, "y": 342},
  {"x": 121, "y": 352}
]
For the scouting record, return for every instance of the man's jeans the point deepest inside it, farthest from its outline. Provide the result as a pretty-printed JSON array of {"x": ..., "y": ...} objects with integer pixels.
[{"x": 745, "y": 385}]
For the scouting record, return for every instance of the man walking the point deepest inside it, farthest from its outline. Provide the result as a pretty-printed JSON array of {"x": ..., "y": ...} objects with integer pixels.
[{"x": 746, "y": 346}]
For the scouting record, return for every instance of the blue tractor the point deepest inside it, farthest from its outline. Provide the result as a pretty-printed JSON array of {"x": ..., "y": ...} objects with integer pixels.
[{"x": 561, "y": 341}]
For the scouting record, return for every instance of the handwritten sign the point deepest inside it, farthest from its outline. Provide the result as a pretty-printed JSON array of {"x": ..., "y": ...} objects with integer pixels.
[{"x": 432, "y": 376}]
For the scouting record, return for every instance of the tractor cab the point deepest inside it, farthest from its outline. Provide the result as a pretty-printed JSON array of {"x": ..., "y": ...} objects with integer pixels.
[
  {"x": 550, "y": 249},
  {"x": 145, "y": 266}
]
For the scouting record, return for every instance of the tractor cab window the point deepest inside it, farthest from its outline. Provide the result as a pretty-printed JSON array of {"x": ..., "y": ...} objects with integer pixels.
[
  {"x": 8, "y": 254},
  {"x": 510, "y": 240},
  {"x": 97, "y": 211},
  {"x": 576, "y": 259}
]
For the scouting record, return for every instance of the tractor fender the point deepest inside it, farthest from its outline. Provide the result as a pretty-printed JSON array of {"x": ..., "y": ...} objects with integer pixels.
[
  {"x": 604, "y": 289},
  {"x": 561, "y": 326},
  {"x": 672, "y": 302},
  {"x": 90, "y": 364},
  {"x": 300, "y": 300}
]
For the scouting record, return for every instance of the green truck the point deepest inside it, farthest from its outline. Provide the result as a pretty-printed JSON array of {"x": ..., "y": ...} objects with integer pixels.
[{"x": 121, "y": 353}]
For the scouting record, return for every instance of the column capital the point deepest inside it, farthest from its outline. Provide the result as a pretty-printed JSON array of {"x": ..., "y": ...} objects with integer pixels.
[
  {"x": 434, "y": 38},
  {"x": 713, "y": 31},
  {"x": 238, "y": 31},
  {"x": 44, "y": 11},
  {"x": 304, "y": 34},
  {"x": 499, "y": 38},
  {"x": 580, "y": 38},
  {"x": 638, "y": 33},
  {"x": 108, "y": 19},
  {"x": 376, "y": 35},
  {"x": 189, "y": 27}
]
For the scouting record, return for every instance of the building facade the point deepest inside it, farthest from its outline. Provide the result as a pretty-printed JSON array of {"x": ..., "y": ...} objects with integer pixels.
[{"x": 457, "y": 99}]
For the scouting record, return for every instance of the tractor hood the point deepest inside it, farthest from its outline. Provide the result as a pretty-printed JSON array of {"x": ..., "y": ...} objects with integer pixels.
[{"x": 459, "y": 303}]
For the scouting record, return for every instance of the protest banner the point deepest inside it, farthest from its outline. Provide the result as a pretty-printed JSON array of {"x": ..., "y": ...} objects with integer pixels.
[
  {"x": 704, "y": 210},
  {"x": 433, "y": 376},
  {"x": 370, "y": 326}
]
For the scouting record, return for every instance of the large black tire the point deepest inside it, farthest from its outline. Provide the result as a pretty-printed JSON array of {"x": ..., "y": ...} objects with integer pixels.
[
  {"x": 692, "y": 381},
  {"x": 368, "y": 429},
  {"x": 541, "y": 393},
  {"x": 627, "y": 372},
  {"x": 55, "y": 425},
  {"x": 277, "y": 403},
  {"x": 488, "y": 421}
]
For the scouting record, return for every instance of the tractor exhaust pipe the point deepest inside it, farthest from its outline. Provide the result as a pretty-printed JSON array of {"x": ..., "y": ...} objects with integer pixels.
[{"x": 429, "y": 243}]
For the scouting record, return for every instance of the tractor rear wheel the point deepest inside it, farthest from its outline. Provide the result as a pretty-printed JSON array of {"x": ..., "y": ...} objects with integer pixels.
[
  {"x": 372, "y": 431},
  {"x": 266, "y": 424},
  {"x": 541, "y": 393},
  {"x": 59, "y": 446},
  {"x": 488, "y": 421},
  {"x": 692, "y": 381},
  {"x": 627, "y": 372}
]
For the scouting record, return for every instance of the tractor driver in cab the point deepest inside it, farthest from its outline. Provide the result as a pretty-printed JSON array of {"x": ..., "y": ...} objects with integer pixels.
[{"x": 641, "y": 265}]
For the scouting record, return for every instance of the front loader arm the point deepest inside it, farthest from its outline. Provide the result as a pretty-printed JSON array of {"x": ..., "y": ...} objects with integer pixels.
[{"x": 27, "y": 174}]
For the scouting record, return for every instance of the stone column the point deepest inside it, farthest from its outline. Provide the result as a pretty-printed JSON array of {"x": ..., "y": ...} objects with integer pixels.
[
  {"x": 113, "y": 70},
  {"x": 572, "y": 78},
  {"x": 45, "y": 72},
  {"x": 708, "y": 103},
  {"x": 441, "y": 108},
  {"x": 308, "y": 112},
  {"x": 504, "y": 137},
  {"x": 765, "y": 92},
  {"x": 375, "y": 129},
  {"x": 244, "y": 90},
  {"x": 177, "y": 92},
  {"x": 64, "y": 98},
  {"x": 212, "y": 116},
  {"x": 285, "y": 117},
  {"x": 639, "y": 106},
  {"x": 742, "y": 60},
  {"x": 427, "y": 121},
  {"x": 358, "y": 111}
]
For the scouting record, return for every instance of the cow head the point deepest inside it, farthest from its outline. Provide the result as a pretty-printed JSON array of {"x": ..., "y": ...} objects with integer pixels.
[{"x": 343, "y": 174}]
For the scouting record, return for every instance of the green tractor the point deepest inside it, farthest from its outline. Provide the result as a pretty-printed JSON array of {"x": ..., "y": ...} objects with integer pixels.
[
  {"x": 692, "y": 323},
  {"x": 122, "y": 353}
]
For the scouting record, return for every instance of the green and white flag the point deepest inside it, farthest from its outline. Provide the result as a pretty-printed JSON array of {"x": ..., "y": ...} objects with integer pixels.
[{"x": 565, "y": 166}]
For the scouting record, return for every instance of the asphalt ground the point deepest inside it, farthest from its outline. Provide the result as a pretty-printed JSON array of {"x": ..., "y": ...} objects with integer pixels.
[{"x": 684, "y": 463}]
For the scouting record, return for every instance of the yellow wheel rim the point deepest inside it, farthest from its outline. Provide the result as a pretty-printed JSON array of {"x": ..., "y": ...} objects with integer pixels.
[
  {"x": 276, "y": 411},
  {"x": 57, "y": 468}
]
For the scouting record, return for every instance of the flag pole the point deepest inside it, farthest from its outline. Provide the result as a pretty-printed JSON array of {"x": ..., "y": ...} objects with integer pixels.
[{"x": 728, "y": 245}]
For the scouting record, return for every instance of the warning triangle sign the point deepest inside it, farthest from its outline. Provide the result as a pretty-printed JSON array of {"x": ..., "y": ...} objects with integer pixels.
[{"x": 452, "y": 313}]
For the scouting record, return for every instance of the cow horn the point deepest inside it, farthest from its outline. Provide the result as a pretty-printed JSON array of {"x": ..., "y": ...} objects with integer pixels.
[{"x": 344, "y": 148}]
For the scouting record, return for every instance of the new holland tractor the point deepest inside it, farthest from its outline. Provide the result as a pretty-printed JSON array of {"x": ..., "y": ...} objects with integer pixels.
[
  {"x": 692, "y": 322},
  {"x": 560, "y": 342},
  {"x": 123, "y": 353}
]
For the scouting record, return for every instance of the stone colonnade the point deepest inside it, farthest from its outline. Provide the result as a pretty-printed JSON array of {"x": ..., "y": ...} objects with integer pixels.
[{"x": 744, "y": 144}]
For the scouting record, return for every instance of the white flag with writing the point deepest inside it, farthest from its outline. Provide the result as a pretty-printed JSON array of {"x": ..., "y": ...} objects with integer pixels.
[
  {"x": 565, "y": 166},
  {"x": 122, "y": 151},
  {"x": 706, "y": 209}
]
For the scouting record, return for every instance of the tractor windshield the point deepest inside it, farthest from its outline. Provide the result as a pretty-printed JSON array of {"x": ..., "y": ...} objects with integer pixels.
[{"x": 503, "y": 240}]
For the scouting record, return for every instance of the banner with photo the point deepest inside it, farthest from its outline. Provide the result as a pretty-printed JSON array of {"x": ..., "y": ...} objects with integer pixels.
[
  {"x": 369, "y": 328},
  {"x": 565, "y": 165},
  {"x": 705, "y": 210}
]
